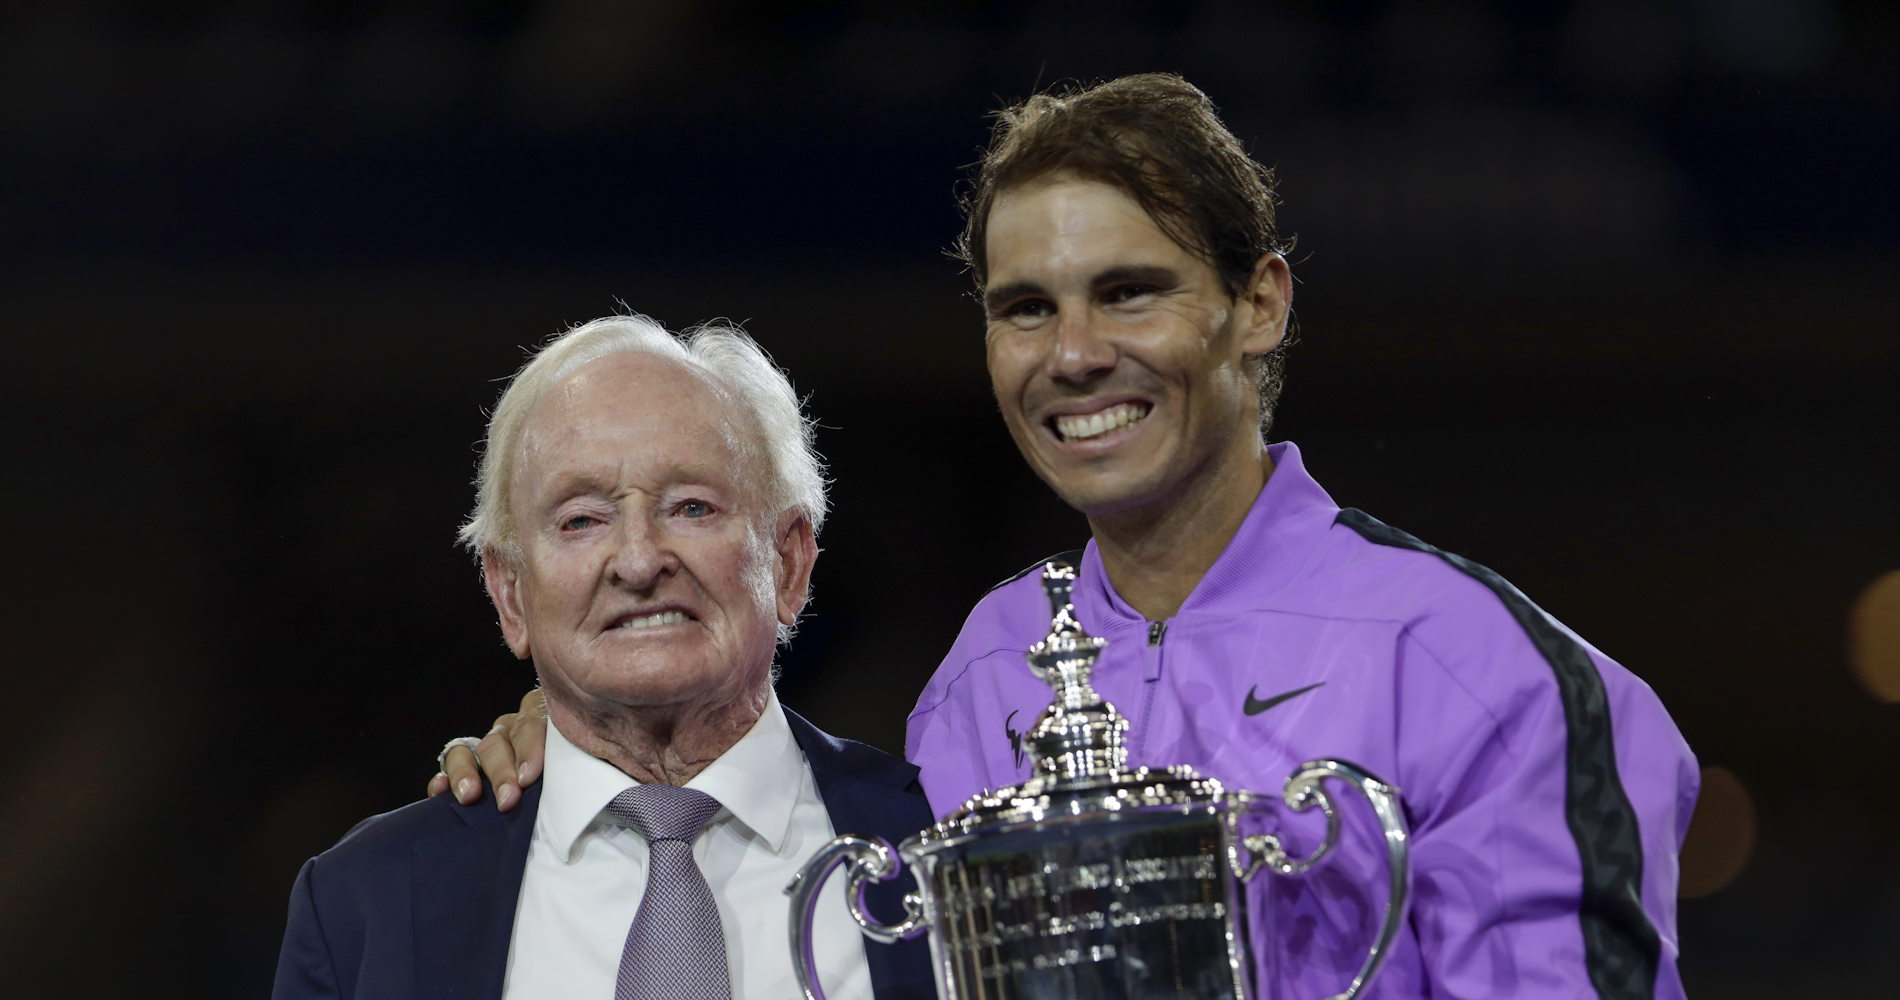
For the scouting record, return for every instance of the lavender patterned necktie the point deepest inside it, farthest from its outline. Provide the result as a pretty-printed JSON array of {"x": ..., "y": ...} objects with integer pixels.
[{"x": 676, "y": 946}]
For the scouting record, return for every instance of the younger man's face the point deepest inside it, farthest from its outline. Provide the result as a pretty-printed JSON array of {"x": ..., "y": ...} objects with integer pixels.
[{"x": 1118, "y": 358}]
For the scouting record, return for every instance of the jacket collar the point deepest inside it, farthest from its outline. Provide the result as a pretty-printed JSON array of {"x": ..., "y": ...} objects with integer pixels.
[{"x": 1274, "y": 543}]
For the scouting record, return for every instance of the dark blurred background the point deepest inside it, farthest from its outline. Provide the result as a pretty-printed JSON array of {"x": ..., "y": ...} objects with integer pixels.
[{"x": 1600, "y": 293}]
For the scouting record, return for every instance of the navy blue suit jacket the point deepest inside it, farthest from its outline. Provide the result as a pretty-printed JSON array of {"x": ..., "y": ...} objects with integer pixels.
[{"x": 420, "y": 902}]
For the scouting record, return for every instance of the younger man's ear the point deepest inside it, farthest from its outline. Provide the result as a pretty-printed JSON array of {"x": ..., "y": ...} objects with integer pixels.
[{"x": 1267, "y": 301}]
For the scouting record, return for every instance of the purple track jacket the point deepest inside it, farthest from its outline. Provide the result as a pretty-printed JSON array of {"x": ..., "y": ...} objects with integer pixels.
[{"x": 1546, "y": 788}]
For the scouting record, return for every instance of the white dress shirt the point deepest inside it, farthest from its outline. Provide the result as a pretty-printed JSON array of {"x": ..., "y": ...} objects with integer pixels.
[{"x": 585, "y": 875}]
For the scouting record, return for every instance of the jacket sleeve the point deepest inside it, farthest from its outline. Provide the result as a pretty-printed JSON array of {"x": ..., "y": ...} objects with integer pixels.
[
  {"x": 944, "y": 736},
  {"x": 1549, "y": 792},
  {"x": 305, "y": 970},
  {"x": 965, "y": 733}
]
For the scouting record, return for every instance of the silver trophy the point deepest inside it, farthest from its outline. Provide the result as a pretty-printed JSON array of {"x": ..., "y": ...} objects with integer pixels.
[{"x": 1091, "y": 879}]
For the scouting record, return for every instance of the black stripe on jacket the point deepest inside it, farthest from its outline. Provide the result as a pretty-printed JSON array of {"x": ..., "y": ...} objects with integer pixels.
[{"x": 1621, "y": 947}]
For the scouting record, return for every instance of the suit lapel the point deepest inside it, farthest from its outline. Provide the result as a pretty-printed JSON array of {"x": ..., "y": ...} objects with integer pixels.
[
  {"x": 869, "y": 792},
  {"x": 865, "y": 790},
  {"x": 466, "y": 884}
]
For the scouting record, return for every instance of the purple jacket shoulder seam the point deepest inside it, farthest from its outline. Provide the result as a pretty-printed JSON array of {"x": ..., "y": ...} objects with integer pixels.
[{"x": 922, "y": 709}]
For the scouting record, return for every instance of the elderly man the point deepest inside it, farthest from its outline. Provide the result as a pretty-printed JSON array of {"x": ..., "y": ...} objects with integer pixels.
[
  {"x": 646, "y": 519},
  {"x": 1137, "y": 305}
]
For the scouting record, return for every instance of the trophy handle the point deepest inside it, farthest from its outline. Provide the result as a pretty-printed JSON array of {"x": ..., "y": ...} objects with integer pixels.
[
  {"x": 870, "y": 859},
  {"x": 1303, "y": 791}
]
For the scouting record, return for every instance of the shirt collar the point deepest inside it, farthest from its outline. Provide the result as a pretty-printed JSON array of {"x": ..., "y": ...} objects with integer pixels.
[
  {"x": 1274, "y": 542},
  {"x": 756, "y": 780},
  {"x": 759, "y": 778}
]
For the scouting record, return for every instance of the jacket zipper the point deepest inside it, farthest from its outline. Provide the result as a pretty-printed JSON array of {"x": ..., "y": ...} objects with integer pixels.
[{"x": 1150, "y": 672}]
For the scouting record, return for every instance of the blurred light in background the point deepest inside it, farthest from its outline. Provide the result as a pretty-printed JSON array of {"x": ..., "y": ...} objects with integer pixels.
[
  {"x": 1721, "y": 835},
  {"x": 1873, "y": 637}
]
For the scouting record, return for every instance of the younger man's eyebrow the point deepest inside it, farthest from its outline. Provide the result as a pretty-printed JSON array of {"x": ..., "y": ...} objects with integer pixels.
[
  {"x": 995, "y": 297},
  {"x": 1137, "y": 274}
]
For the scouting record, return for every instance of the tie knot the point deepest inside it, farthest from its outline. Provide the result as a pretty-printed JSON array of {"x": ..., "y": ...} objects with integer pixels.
[{"x": 663, "y": 812}]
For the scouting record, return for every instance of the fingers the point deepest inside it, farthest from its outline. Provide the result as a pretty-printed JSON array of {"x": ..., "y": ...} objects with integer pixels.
[
  {"x": 438, "y": 784},
  {"x": 459, "y": 773},
  {"x": 528, "y": 731},
  {"x": 512, "y": 755},
  {"x": 498, "y": 762}
]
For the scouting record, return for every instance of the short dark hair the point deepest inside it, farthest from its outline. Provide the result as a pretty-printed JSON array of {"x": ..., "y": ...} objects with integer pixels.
[{"x": 1157, "y": 138}]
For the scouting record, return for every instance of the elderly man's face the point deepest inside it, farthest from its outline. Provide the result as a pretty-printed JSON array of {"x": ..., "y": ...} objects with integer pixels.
[
  {"x": 1119, "y": 358},
  {"x": 651, "y": 574}
]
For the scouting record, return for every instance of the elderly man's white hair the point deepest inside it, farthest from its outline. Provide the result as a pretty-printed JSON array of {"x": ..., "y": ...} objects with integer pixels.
[{"x": 726, "y": 354}]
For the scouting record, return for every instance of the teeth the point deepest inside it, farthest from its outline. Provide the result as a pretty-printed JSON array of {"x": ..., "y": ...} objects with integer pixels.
[
  {"x": 1080, "y": 428},
  {"x": 663, "y": 618}
]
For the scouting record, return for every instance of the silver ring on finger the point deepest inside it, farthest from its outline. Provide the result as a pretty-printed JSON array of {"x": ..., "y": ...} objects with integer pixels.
[{"x": 471, "y": 742}]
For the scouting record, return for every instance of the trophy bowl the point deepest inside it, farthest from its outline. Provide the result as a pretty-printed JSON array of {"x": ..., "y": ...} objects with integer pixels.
[{"x": 1091, "y": 879}]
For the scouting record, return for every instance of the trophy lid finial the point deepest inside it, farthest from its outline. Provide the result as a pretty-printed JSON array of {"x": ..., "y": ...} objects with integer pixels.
[{"x": 1079, "y": 736}]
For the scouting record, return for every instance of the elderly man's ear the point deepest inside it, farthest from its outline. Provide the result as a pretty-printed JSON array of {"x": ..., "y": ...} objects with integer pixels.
[
  {"x": 504, "y": 588},
  {"x": 797, "y": 550}
]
